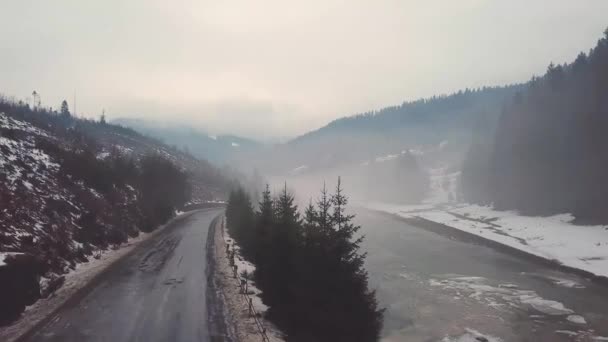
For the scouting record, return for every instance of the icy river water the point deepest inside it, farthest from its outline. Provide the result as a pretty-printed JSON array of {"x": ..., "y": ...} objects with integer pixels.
[{"x": 438, "y": 288}]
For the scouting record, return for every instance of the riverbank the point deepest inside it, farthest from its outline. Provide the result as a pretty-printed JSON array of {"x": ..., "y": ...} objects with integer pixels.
[
  {"x": 552, "y": 240},
  {"x": 442, "y": 284}
]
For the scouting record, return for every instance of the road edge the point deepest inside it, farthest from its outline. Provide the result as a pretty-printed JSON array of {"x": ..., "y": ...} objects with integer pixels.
[{"x": 218, "y": 323}]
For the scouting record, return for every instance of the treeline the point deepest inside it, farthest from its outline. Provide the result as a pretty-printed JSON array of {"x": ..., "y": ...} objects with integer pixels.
[
  {"x": 206, "y": 180},
  {"x": 309, "y": 267},
  {"x": 158, "y": 185},
  {"x": 548, "y": 154},
  {"x": 457, "y": 109},
  {"x": 423, "y": 122}
]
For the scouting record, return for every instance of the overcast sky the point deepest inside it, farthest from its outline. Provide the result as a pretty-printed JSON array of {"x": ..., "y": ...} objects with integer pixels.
[{"x": 278, "y": 68}]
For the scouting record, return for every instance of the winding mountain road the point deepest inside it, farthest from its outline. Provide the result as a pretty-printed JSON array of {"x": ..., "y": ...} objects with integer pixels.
[{"x": 157, "y": 293}]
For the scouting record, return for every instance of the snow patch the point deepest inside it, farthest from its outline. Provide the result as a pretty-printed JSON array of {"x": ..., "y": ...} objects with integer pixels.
[
  {"x": 3, "y": 255},
  {"x": 299, "y": 169},
  {"x": 567, "y": 283},
  {"x": 549, "y": 307},
  {"x": 567, "y": 332},
  {"x": 386, "y": 158},
  {"x": 478, "y": 289},
  {"x": 576, "y": 319},
  {"x": 471, "y": 335},
  {"x": 246, "y": 269}
]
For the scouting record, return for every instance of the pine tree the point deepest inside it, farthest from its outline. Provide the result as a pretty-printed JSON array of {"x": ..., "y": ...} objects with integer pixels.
[
  {"x": 266, "y": 210},
  {"x": 310, "y": 269},
  {"x": 324, "y": 212},
  {"x": 349, "y": 273},
  {"x": 282, "y": 261},
  {"x": 309, "y": 223},
  {"x": 239, "y": 218},
  {"x": 265, "y": 221},
  {"x": 65, "y": 110}
]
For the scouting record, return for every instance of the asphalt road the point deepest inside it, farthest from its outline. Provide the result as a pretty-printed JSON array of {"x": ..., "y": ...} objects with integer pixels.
[{"x": 157, "y": 293}]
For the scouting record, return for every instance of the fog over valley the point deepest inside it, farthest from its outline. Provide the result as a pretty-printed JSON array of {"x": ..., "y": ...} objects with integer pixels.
[{"x": 318, "y": 171}]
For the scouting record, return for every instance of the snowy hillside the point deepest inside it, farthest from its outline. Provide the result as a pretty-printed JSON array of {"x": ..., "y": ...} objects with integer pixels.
[
  {"x": 71, "y": 189},
  {"x": 46, "y": 220}
]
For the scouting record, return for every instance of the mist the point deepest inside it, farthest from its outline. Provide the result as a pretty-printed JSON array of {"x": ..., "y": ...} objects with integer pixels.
[
  {"x": 365, "y": 171},
  {"x": 274, "y": 70}
]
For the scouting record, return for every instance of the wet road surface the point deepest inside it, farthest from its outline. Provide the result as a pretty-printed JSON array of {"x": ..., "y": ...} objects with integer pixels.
[
  {"x": 157, "y": 293},
  {"x": 438, "y": 288}
]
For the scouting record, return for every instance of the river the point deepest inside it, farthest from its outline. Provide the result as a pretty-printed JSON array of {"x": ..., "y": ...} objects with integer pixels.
[{"x": 438, "y": 288}]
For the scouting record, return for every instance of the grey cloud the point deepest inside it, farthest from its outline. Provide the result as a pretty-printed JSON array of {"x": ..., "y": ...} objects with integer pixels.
[{"x": 232, "y": 65}]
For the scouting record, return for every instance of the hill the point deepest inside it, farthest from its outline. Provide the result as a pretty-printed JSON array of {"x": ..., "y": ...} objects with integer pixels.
[
  {"x": 72, "y": 188},
  {"x": 548, "y": 154},
  {"x": 420, "y": 124},
  {"x": 216, "y": 149},
  {"x": 389, "y": 154}
]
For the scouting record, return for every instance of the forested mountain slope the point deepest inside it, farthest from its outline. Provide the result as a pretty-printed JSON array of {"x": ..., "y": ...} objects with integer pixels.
[
  {"x": 216, "y": 149},
  {"x": 70, "y": 188},
  {"x": 425, "y": 122},
  {"x": 549, "y": 154},
  {"x": 388, "y": 155}
]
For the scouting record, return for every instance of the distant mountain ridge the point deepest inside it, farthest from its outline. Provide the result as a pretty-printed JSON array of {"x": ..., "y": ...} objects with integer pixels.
[
  {"x": 459, "y": 108},
  {"x": 415, "y": 124},
  {"x": 217, "y": 149}
]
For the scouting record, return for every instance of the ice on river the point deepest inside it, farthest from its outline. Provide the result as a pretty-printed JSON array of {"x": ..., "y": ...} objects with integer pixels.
[
  {"x": 471, "y": 335},
  {"x": 497, "y": 296}
]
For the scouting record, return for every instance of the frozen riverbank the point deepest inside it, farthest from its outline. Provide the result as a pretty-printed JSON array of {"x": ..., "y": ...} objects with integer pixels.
[{"x": 553, "y": 238}]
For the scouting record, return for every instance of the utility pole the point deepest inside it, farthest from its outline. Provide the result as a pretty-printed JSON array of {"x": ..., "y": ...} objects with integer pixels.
[{"x": 74, "y": 103}]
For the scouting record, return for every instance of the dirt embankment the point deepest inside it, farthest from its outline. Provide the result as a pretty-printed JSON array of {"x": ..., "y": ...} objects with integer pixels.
[{"x": 241, "y": 325}]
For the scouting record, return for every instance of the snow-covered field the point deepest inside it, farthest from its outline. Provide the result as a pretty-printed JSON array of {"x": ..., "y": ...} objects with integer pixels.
[{"x": 553, "y": 238}]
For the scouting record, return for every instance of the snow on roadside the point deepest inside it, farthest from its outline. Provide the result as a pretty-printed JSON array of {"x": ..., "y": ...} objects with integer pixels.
[
  {"x": 246, "y": 328},
  {"x": 246, "y": 269},
  {"x": 3, "y": 255}
]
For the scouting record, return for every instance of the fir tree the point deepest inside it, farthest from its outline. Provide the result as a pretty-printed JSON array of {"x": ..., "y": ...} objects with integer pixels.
[
  {"x": 310, "y": 269},
  {"x": 65, "y": 110},
  {"x": 310, "y": 224},
  {"x": 324, "y": 204}
]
